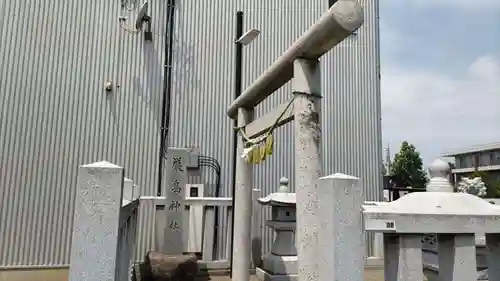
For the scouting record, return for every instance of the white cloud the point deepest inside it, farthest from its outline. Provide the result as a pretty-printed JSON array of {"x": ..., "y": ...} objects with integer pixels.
[{"x": 439, "y": 112}]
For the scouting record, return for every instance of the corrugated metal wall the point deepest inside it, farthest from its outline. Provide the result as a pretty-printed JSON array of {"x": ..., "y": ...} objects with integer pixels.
[
  {"x": 203, "y": 88},
  {"x": 55, "y": 115}
]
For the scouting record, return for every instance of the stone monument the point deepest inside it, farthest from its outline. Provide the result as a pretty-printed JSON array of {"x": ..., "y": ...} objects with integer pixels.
[
  {"x": 96, "y": 222},
  {"x": 280, "y": 263}
]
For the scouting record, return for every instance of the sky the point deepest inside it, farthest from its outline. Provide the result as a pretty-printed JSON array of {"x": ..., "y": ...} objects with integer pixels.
[{"x": 440, "y": 62}]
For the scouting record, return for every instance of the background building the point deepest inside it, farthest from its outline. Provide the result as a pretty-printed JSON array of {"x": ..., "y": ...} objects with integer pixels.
[
  {"x": 484, "y": 157},
  {"x": 55, "y": 114}
]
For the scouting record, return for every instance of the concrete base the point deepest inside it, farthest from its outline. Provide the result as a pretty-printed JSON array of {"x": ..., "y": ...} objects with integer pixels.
[
  {"x": 264, "y": 276},
  {"x": 374, "y": 261},
  {"x": 280, "y": 265},
  {"x": 39, "y": 274},
  {"x": 24, "y": 274}
]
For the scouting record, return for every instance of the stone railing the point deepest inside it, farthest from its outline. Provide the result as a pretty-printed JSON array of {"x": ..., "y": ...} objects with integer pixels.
[
  {"x": 198, "y": 225},
  {"x": 126, "y": 239},
  {"x": 109, "y": 221}
]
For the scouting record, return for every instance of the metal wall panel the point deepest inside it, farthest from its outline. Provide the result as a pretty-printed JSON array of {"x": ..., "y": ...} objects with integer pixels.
[
  {"x": 55, "y": 115},
  {"x": 203, "y": 88}
]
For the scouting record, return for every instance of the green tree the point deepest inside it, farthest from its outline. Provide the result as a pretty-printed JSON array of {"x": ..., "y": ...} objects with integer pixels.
[
  {"x": 493, "y": 190},
  {"x": 406, "y": 169}
]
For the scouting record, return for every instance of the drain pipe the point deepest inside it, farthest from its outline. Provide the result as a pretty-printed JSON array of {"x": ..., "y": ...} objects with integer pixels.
[
  {"x": 167, "y": 91},
  {"x": 237, "y": 92}
]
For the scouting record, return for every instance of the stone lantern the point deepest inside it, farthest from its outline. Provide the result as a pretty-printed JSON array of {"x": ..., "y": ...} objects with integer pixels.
[{"x": 281, "y": 262}]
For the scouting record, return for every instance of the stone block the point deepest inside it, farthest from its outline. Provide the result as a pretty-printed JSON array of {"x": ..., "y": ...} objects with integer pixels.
[{"x": 280, "y": 264}]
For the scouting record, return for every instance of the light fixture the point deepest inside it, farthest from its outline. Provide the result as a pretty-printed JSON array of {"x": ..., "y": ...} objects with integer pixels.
[
  {"x": 143, "y": 17},
  {"x": 248, "y": 37}
]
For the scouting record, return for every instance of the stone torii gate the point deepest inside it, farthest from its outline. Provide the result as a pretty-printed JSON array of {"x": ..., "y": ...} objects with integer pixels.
[{"x": 300, "y": 63}]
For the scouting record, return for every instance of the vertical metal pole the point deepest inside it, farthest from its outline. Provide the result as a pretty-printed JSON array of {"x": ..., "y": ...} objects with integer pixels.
[
  {"x": 167, "y": 92},
  {"x": 306, "y": 86},
  {"x": 237, "y": 92}
]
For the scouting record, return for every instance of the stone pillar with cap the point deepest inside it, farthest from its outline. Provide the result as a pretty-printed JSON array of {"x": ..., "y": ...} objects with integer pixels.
[
  {"x": 281, "y": 262},
  {"x": 450, "y": 259}
]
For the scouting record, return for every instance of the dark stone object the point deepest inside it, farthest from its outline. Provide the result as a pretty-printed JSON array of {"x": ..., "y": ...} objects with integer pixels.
[
  {"x": 482, "y": 275},
  {"x": 160, "y": 267}
]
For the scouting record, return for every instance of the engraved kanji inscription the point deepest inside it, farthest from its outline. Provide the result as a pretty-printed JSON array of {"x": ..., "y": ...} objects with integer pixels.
[
  {"x": 172, "y": 224},
  {"x": 177, "y": 164},
  {"x": 176, "y": 186},
  {"x": 174, "y": 206}
]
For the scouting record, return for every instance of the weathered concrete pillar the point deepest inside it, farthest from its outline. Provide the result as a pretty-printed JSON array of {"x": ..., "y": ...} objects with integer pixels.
[
  {"x": 306, "y": 85},
  {"x": 242, "y": 227},
  {"x": 457, "y": 257},
  {"x": 96, "y": 220},
  {"x": 493, "y": 247},
  {"x": 341, "y": 251},
  {"x": 403, "y": 257}
]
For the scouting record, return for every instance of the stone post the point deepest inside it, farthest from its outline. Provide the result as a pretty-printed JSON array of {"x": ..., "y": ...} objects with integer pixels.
[
  {"x": 493, "y": 247},
  {"x": 256, "y": 229},
  {"x": 242, "y": 228},
  {"x": 403, "y": 257},
  {"x": 174, "y": 205},
  {"x": 378, "y": 247},
  {"x": 135, "y": 192},
  {"x": 306, "y": 86},
  {"x": 457, "y": 257},
  {"x": 96, "y": 220},
  {"x": 128, "y": 190},
  {"x": 341, "y": 250}
]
